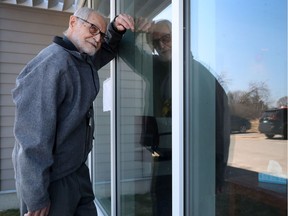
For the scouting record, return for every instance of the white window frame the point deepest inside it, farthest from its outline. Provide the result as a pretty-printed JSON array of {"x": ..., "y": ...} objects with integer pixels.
[
  {"x": 177, "y": 120},
  {"x": 177, "y": 109}
]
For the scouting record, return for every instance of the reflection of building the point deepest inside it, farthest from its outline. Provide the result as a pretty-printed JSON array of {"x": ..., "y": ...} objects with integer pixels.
[{"x": 120, "y": 168}]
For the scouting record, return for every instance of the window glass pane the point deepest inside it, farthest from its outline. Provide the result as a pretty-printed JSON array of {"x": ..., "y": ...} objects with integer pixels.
[
  {"x": 101, "y": 175},
  {"x": 144, "y": 111},
  {"x": 101, "y": 167},
  {"x": 244, "y": 45}
]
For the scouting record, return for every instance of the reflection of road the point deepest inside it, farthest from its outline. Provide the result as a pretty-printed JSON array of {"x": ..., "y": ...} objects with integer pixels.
[{"x": 253, "y": 151}]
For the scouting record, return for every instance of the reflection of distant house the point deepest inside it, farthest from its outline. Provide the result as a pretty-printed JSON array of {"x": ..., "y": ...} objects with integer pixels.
[
  {"x": 239, "y": 124},
  {"x": 24, "y": 32}
]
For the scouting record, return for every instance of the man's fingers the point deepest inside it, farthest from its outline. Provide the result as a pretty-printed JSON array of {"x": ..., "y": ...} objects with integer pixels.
[
  {"x": 41, "y": 212},
  {"x": 124, "y": 21}
]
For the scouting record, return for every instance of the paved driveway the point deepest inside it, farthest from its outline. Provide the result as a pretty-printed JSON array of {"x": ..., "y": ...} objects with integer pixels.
[{"x": 253, "y": 151}]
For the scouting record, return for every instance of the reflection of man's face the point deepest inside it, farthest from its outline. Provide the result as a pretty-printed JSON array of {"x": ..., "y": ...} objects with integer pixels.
[{"x": 161, "y": 38}]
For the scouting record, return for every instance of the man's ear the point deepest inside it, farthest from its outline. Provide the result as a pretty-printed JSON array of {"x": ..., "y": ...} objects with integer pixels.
[{"x": 72, "y": 21}]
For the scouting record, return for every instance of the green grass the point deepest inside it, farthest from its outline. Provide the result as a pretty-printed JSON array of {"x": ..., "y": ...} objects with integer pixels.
[
  {"x": 141, "y": 205},
  {"x": 10, "y": 212}
]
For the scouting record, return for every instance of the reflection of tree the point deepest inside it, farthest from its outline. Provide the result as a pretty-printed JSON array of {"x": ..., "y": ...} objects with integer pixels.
[
  {"x": 282, "y": 101},
  {"x": 223, "y": 79},
  {"x": 251, "y": 103}
]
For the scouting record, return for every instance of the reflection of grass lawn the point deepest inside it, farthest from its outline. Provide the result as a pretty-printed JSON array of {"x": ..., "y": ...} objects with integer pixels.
[
  {"x": 136, "y": 205},
  {"x": 141, "y": 205},
  {"x": 11, "y": 212}
]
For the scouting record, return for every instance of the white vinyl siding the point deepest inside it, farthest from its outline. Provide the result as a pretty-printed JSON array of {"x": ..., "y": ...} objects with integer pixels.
[{"x": 24, "y": 32}]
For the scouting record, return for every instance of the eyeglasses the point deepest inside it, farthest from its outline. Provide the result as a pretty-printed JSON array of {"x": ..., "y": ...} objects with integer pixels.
[
  {"x": 94, "y": 30},
  {"x": 166, "y": 39}
]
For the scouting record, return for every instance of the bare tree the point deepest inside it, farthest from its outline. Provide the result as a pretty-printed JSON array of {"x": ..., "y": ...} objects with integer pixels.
[
  {"x": 251, "y": 103},
  {"x": 283, "y": 101},
  {"x": 223, "y": 79}
]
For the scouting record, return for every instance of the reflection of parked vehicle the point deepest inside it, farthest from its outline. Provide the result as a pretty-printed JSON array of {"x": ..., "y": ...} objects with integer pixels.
[
  {"x": 274, "y": 121},
  {"x": 239, "y": 124}
]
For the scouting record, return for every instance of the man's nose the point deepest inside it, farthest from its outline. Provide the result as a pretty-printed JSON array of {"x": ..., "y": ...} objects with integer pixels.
[
  {"x": 97, "y": 37},
  {"x": 161, "y": 44}
]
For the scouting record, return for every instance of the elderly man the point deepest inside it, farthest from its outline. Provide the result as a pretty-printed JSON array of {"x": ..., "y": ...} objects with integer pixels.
[{"x": 54, "y": 116}]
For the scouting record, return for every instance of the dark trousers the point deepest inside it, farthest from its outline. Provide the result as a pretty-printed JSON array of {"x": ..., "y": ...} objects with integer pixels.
[{"x": 71, "y": 195}]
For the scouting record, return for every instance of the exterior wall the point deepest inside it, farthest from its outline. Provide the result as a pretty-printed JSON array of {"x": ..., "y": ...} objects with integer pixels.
[{"x": 24, "y": 32}]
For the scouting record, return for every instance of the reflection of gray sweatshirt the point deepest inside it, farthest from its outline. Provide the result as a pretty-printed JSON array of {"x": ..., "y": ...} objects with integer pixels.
[
  {"x": 53, "y": 95},
  {"x": 208, "y": 102}
]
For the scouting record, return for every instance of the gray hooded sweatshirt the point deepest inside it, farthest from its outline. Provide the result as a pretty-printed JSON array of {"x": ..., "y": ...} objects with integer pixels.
[{"x": 54, "y": 119}]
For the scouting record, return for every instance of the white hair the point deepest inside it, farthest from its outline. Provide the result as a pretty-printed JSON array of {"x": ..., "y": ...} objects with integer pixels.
[{"x": 83, "y": 12}]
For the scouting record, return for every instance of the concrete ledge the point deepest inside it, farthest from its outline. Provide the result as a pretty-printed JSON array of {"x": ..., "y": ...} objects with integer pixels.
[{"x": 8, "y": 200}]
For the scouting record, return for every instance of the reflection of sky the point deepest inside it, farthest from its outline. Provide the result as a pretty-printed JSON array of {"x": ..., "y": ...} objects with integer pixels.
[
  {"x": 246, "y": 41},
  {"x": 165, "y": 14},
  {"x": 251, "y": 43}
]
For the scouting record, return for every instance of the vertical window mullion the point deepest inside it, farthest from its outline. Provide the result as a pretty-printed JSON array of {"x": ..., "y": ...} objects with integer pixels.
[
  {"x": 177, "y": 109},
  {"x": 113, "y": 126}
]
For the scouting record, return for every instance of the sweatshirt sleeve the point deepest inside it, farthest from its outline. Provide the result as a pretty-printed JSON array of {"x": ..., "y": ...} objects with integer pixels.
[
  {"x": 109, "y": 48},
  {"x": 34, "y": 129}
]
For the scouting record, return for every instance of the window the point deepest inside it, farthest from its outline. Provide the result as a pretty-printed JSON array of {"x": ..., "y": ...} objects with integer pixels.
[
  {"x": 235, "y": 72},
  {"x": 144, "y": 169},
  {"x": 243, "y": 44},
  {"x": 101, "y": 154}
]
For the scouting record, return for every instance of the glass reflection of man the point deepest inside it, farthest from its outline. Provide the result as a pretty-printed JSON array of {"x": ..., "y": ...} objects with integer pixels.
[
  {"x": 161, "y": 187},
  {"x": 154, "y": 65},
  {"x": 161, "y": 39}
]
